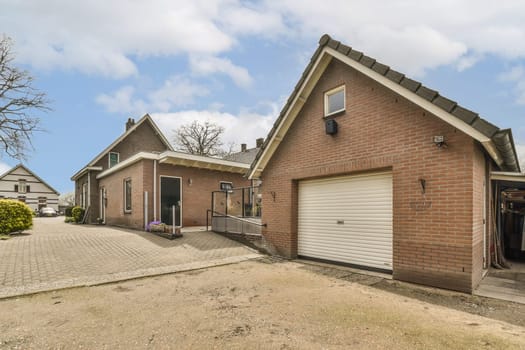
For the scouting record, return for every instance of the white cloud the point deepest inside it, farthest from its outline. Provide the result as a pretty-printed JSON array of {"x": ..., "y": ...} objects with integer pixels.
[
  {"x": 516, "y": 75},
  {"x": 209, "y": 65},
  {"x": 4, "y": 167},
  {"x": 175, "y": 92},
  {"x": 245, "y": 127},
  {"x": 107, "y": 37}
]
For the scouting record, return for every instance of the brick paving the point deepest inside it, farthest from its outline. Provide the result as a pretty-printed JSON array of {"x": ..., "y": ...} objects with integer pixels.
[{"x": 56, "y": 255}]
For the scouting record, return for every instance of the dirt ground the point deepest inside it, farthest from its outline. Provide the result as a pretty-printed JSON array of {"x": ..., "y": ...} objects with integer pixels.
[{"x": 264, "y": 304}]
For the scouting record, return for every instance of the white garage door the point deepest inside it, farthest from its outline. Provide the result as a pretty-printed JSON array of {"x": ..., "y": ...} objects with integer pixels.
[{"x": 347, "y": 219}]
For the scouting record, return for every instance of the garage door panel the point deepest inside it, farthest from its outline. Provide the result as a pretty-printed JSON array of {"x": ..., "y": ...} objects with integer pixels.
[{"x": 347, "y": 219}]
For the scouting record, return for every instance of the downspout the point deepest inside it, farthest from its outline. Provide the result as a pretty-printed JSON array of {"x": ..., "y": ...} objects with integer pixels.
[
  {"x": 89, "y": 190},
  {"x": 154, "y": 190}
]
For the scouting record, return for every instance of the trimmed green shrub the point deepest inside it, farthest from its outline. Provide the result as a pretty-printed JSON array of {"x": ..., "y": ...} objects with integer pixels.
[
  {"x": 67, "y": 211},
  {"x": 15, "y": 216},
  {"x": 69, "y": 219},
  {"x": 77, "y": 213}
]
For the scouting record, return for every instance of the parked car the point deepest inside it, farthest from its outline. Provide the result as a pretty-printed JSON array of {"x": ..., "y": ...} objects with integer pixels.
[{"x": 47, "y": 211}]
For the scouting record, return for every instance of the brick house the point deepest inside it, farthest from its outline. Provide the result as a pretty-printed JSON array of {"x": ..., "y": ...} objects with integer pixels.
[
  {"x": 24, "y": 185},
  {"x": 139, "y": 178},
  {"x": 367, "y": 167}
]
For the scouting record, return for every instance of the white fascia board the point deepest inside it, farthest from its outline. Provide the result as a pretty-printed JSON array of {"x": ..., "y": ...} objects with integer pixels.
[
  {"x": 131, "y": 160},
  {"x": 85, "y": 170},
  {"x": 164, "y": 157},
  {"x": 507, "y": 176},
  {"x": 291, "y": 113},
  {"x": 420, "y": 101}
]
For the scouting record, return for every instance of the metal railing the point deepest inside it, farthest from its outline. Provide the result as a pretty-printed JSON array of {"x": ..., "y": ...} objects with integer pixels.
[
  {"x": 244, "y": 202},
  {"x": 219, "y": 215}
]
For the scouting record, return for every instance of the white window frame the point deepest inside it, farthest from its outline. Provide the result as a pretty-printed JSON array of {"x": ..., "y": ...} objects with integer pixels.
[
  {"x": 327, "y": 97},
  {"x": 22, "y": 186},
  {"x": 83, "y": 195},
  {"x": 109, "y": 159},
  {"x": 226, "y": 183},
  {"x": 126, "y": 210}
]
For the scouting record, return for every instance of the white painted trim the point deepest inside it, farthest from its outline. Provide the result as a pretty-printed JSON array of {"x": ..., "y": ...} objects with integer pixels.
[
  {"x": 507, "y": 176},
  {"x": 125, "y": 163},
  {"x": 331, "y": 92},
  {"x": 192, "y": 157},
  {"x": 181, "y": 200},
  {"x": 313, "y": 77},
  {"x": 409, "y": 95},
  {"x": 84, "y": 170},
  {"x": 154, "y": 190},
  {"x": 291, "y": 112},
  {"x": 129, "y": 131},
  {"x": 109, "y": 159}
]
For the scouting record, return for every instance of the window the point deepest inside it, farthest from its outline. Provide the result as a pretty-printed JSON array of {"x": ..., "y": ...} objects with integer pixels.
[
  {"x": 226, "y": 186},
  {"x": 334, "y": 101},
  {"x": 113, "y": 159},
  {"x": 21, "y": 187},
  {"x": 22, "y": 199},
  {"x": 127, "y": 195}
]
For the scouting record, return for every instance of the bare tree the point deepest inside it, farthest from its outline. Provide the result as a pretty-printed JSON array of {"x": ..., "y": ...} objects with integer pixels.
[
  {"x": 18, "y": 99},
  {"x": 67, "y": 199},
  {"x": 201, "y": 139}
]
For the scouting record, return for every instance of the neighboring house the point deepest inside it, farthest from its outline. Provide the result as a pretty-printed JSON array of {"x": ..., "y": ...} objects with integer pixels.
[
  {"x": 22, "y": 184},
  {"x": 139, "y": 178},
  {"x": 367, "y": 167}
]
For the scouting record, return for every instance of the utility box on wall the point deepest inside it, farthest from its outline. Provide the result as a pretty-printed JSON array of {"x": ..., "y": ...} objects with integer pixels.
[{"x": 330, "y": 127}]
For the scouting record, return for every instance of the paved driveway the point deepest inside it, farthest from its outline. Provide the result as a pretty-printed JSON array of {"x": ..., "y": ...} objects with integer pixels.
[{"x": 57, "y": 255}]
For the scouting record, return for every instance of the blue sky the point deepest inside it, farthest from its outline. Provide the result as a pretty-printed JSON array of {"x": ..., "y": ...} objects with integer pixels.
[{"x": 235, "y": 62}]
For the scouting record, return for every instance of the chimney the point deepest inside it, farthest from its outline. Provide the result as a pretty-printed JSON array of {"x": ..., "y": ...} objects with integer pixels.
[
  {"x": 259, "y": 142},
  {"x": 130, "y": 123},
  {"x": 243, "y": 147}
]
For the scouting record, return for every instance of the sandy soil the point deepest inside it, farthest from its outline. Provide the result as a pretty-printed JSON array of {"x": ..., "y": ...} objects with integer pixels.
[{"x": 252, "y": 305}]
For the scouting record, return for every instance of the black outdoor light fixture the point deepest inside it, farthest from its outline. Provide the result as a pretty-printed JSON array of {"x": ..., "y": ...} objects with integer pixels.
[{"x": 330, "y": 126}]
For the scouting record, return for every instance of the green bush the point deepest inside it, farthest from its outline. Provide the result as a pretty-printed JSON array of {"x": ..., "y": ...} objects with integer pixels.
[
  {"x": 68, "y": 211},
  {"x": 68, "y": 219},
  {"x": 77, "y": 213},
  {"x": 15, "y": 216}
]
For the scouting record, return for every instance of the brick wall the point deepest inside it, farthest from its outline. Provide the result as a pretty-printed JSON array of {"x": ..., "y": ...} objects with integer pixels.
[
  {"x": 114, "y": 185},
  {"x": 196, "y": 198},
  {"x": 381, "y": 130},
  {"x": 143, "y": 139}
]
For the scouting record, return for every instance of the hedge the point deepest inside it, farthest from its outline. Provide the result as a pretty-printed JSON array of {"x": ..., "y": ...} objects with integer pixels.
[
  {"x": 15, "y": 216},
  {"x": 77, "y": 213}
]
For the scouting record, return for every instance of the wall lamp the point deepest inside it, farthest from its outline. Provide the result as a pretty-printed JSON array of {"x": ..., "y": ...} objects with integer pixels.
[{"x": 439, "y": 141}]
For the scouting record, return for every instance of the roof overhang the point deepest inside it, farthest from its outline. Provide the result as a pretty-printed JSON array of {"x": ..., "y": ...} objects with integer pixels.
[
  {"x": 292, "y": 109},
  {"x": 507, "y": 176},
  {"x": 201, "y": 162},
  {"x": 130, "y": 161},
  {"x": 84, "y": 171}
]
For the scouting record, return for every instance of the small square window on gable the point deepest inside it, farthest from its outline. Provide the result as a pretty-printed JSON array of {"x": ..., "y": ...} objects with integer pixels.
[
  {"x": 334, "y": 101},
  {"x": 113, "y": 159}
]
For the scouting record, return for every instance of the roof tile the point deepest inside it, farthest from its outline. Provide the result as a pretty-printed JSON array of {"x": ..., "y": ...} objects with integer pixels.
[
  {"x": 395, "y": 76},
  {"x": 367, "y": 61},
  {"x": 410, "y": 84},
  {"x": 344, "y": 49},
  {"x": 464, "y": 114},
  {"x": 444, "y": 103},
  {"x": 426, "y": 93},
  {"x": 355, "y": 55},
  {"x": 485, "y": 127},
  {"x": 380, "y": 68},
  {"x": 334, "y": 44}
]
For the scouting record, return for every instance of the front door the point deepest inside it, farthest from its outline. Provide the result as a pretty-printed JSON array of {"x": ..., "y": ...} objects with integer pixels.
[{"x": 170, "y": 200}]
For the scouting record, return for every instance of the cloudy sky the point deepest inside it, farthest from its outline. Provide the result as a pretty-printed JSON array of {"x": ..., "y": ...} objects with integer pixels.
[{"x": 235, "y": 62}]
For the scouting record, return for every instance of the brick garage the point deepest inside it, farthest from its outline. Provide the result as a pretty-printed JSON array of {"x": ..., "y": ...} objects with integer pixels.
[{"x": 438, "y": 235}]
